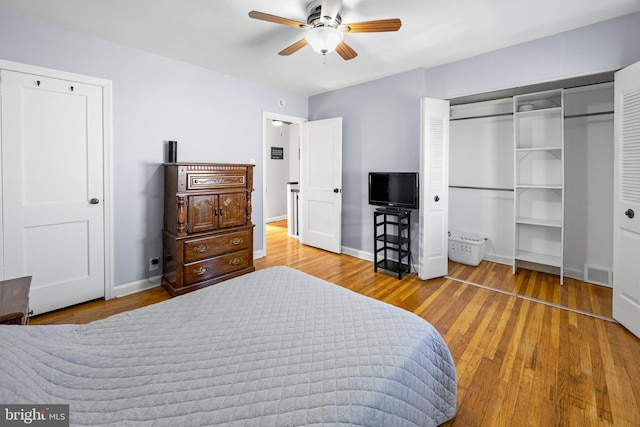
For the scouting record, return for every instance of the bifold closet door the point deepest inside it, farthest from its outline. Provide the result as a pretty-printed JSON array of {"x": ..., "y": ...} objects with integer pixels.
[
  {"x": 434, "y": 189},
  {"x": 626, "y": 213}
]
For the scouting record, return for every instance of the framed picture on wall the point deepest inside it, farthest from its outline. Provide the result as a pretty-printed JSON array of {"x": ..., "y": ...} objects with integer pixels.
[{"x": 277, "y": 153}]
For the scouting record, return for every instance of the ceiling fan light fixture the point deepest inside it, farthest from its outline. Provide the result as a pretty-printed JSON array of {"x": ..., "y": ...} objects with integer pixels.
[{"x": 324, "y": 39}]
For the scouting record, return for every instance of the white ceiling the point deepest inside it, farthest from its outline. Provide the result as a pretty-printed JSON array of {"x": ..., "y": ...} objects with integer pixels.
[{"x": 219, "y": 35}]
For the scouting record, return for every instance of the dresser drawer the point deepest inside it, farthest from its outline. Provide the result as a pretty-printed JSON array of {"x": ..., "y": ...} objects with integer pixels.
[
  {"x": 204, "y": 270},
  {"x": 216, "y": 180},
  {"x": 207, "y": 247}
]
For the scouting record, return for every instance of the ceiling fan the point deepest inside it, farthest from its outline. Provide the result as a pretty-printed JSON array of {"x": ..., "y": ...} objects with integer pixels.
[{"x": 325, "y": 30}]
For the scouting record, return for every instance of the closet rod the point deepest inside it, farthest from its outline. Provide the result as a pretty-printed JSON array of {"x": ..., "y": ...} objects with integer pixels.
[
  {"x": 602, "y": 113},
  {"x": 481, "y": 117},
  {"x": 481, "y": 188}
]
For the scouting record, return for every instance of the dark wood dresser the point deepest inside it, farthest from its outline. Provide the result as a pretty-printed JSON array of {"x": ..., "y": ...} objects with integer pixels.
[
  {"x": 14, "y": 301},
  {"x": 208, "y": 233}
]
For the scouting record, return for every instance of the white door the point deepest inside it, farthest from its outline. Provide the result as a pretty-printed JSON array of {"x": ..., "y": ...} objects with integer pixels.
[
  {"x": 52, "y": 188},
  {"x": 626, "y": 213},
  {"x": 321, "y": 184},
  {"x": 434, "y": 189}
]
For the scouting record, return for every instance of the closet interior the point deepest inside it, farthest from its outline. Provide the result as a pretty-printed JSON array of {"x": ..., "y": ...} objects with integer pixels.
[{"x": 531, "y": 168}]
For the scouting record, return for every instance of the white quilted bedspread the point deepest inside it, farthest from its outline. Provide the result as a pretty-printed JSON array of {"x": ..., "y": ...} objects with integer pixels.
[{"x": 272, "y": 348}]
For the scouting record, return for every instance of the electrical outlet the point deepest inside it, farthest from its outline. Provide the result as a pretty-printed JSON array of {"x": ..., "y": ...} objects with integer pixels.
[{"x": 154, "y": 264}]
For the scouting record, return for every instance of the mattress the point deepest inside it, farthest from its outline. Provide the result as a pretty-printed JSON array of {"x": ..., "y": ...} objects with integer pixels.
[{"x": 276, "y": 347}]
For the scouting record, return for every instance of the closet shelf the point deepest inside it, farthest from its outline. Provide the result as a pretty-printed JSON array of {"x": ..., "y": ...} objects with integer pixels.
[
  {"x": 540, "y": 186},
  {"x": 528, "y": 149},
  {"x": 556, "y": 223},
  {"x": 538, "y": 258},
  {"x": 540, "y": 112},
  {"x": 539, "y": 181}
]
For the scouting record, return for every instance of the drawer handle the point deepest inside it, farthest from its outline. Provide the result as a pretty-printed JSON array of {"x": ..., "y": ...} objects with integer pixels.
[
  {"x": 200, "y": 271},
  {"x": 236, "y": 241},
  {"x": 236, "y": 261},
  {"x": 200, "y": 249}
]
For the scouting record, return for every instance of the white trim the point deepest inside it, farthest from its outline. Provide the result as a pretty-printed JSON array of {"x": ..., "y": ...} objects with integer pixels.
[
  {"x": 368, "y": 256},
  {"x": 276, "y": 218},
  {"x": 107, "y": 165},
  {"x": 135, "y": 287},
  {"x": 270, "y": 116},
  {"x": 357, "y": 253},
  {"x": 499, "y": 259},
  {"x": 574, "y": 274},
  {"x": 259, "y": 254}
]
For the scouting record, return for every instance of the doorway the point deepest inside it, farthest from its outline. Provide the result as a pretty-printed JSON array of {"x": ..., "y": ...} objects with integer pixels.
[{"x": 281, "y": 160}]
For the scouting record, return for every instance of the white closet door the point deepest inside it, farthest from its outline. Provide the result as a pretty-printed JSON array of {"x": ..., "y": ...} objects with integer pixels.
[
  {"x": 434, "y": 189},
  {"x": 52, "y": 188},
  {"x": 626, "y": 219}
]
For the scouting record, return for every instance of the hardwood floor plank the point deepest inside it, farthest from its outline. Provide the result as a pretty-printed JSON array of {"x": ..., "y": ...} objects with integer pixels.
[
  {"x": 574, "y": 293},
  {"x": 99, "y": 309},
  {"x": 519, "y": 362}
]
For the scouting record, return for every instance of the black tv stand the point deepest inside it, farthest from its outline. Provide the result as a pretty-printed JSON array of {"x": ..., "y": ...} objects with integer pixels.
[
  {"x": 392, "y": 240},
  {"x": 391, "y": 210}
]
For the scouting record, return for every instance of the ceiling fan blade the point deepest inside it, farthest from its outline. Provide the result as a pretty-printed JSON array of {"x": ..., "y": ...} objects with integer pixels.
[
  {"x": 379, "y": 26},
  {"x": 293, "y": 48},
  {"x": 346, "y": 51},
  {"x": 330, "y": 8},
  {"x": 276, "y": 19}
]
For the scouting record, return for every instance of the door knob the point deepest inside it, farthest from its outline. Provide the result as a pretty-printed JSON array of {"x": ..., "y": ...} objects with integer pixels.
[
  {"x": 336, "y": 190},
  {"x": 630, "y": 213},
  {"x": 436, "y": 199},
  {"x": 94, "y": 201}
]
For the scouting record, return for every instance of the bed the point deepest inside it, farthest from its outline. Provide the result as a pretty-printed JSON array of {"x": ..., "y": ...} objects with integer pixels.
[{"x": 276, "y": 347}]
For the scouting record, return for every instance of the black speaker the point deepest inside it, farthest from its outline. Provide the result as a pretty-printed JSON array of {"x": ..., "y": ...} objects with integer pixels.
[{"x": 172, "y": 152}]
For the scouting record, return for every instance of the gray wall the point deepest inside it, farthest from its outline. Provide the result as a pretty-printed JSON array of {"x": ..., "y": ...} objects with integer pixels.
[
  {"x": 214, "y": 117},
  {"x": 380, "y": 132},
  {"x": 605, "y": 46},
  {"x": 381, "y": 119}
]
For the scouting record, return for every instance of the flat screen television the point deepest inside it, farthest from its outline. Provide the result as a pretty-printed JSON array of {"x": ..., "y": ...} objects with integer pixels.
[{"x": 394, "y": 189}]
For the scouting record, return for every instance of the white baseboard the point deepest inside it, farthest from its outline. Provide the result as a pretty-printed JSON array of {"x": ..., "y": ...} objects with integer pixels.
[
  {"x": 276, "y": 218},
  {"x": 368, "y": 256},
  {"x": 574, "y": 274},
  {"x": 134, "y": 287},
  {"x": 500, "y": 259},
  {"x": 357, "y": 253},
  {"x": 143, "y": 285}
]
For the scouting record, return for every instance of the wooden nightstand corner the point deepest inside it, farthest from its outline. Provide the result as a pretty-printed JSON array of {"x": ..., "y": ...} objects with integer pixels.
[{"x": 14, "y": 301}]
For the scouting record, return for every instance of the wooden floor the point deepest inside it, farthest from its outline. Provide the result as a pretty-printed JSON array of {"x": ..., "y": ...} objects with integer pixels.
[
  {"x": 573, "y": 294},
  {"x": 519, "y": 361}
]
